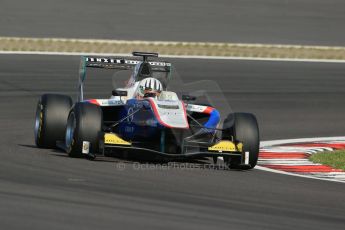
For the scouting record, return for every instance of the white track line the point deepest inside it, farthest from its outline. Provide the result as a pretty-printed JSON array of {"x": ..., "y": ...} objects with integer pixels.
[
  {"x": 179, "y": 56},
  {"x": 297, "y": 175},
  {"x": 300, "y": 140}
]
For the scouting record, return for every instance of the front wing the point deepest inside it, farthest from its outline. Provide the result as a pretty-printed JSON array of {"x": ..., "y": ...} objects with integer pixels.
[{"x": 110, "y": 142}]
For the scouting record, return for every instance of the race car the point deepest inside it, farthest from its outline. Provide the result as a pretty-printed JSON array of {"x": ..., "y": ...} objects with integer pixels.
[{"x": 144, "y": 117}]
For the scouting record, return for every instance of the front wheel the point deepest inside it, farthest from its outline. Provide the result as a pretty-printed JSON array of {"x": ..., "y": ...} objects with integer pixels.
[
  {"x": 244, "y": 128},
  {"x": 84, "y": 124}
]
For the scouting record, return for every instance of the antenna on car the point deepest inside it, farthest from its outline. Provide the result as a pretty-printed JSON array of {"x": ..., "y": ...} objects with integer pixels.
[{"x": 145, "y": 55}]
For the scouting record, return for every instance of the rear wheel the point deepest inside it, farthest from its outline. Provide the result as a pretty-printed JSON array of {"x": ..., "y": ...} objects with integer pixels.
[
  {"x": 84, "y": 124},
  {"x": 51, "y": 119},
  {"x": 244, "y": 128}
]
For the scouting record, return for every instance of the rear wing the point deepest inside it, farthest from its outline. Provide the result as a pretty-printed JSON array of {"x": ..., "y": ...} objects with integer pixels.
[{"x": 121, "y": 63}]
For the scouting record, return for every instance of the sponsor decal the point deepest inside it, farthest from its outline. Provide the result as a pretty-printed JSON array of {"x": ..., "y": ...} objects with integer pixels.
[
  {"x": 168, "y": 106},
  {"x": 200, "y": 108},
  {"x": 112, "y": 138},
  {"x": 105, "y": 102},
  {"x": 111, "y": 102},
  {"x": 86, "y": 147},
  {"x": 226, "y": 146},
  {"x": 123, "y": 61},
  {"x": 130, "y": 114}
]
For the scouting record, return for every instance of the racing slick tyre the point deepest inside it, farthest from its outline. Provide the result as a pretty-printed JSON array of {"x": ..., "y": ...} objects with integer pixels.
[
  {"x": 84, "y": 124},
  {"x": 51, "y": 119},
  {"x": 243, "y": 127}
]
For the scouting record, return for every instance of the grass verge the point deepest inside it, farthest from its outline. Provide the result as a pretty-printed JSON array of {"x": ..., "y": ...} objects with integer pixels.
[
  {"x": 335, "y": 159},
  {"x": 172, "y": 48}
]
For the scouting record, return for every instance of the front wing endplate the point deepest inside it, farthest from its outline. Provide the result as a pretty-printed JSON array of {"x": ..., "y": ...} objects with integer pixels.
[
  {"x": 113, "y": 139},
  {"x": 226, "y": 146}
]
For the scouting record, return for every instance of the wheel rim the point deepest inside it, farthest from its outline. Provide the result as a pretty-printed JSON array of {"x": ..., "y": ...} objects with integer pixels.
[
  {"x": 38, "y": 122},
  {"x": 71, "y": 124}
]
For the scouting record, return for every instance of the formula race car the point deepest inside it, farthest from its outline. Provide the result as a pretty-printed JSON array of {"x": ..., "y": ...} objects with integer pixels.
[{"x": 143, "y": 117}]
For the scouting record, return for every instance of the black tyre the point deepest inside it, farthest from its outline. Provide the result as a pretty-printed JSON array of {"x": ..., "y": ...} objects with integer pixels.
[
  {"x": 243, "y": 127},
  {"x": 51, "y": 119},
  {"x": 84, "y": 124}
]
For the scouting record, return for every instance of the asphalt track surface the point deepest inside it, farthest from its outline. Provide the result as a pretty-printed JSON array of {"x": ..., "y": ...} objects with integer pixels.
[
  {"x": 311, "y": 22},
  {"x": 44, "y": 189}
]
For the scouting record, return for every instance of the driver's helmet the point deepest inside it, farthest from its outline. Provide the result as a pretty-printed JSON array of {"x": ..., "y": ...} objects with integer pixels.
[{"x": 150, "y": 87}]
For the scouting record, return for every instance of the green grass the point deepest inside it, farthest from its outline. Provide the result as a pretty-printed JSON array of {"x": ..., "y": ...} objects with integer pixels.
[{"x": 335, "y": 159}]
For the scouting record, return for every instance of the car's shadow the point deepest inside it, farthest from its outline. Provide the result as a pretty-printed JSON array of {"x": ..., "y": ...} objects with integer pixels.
[
  {"x": 149, "y": 160},
  {"x": 28, "y": 146}
]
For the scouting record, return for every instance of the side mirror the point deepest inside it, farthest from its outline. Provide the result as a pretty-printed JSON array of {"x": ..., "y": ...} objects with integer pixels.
[
  {"x": 121, "y": 93},
  {"x": 188, "y": 98}
]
